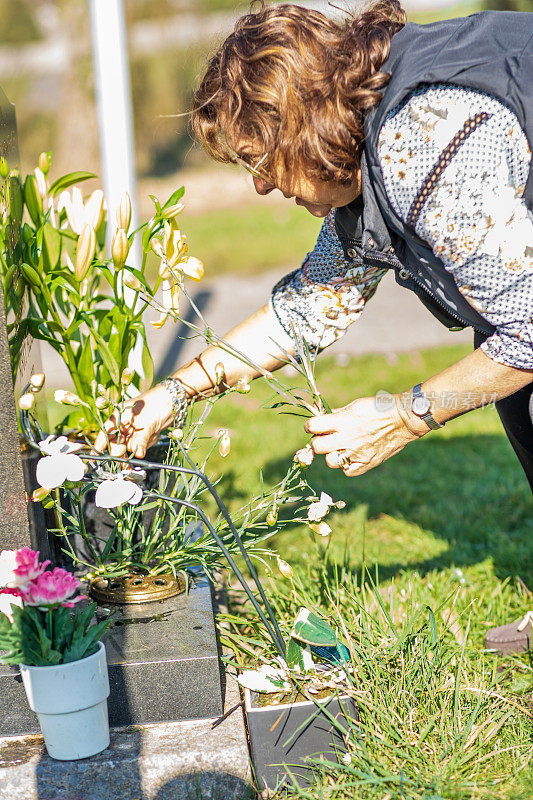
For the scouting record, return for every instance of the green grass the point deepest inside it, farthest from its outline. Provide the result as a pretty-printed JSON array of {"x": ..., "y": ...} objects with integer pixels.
[
  {"x": 249, "y": 240},
  {"x": 456, "y": 498},
  {"x": 446, "y": 524},
  {"x": 463, "y": 9}
]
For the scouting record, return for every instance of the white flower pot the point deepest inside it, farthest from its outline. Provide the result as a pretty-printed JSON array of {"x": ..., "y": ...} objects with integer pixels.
[{"x": 70, "y": 701}]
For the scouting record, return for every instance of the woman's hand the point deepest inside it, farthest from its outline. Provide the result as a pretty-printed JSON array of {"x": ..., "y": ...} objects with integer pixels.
[
  {"x": 369, "y": 433},
  {"x": 141, "y": 422}
]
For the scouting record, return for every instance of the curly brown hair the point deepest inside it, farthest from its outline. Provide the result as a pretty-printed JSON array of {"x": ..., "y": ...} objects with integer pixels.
[{"x": 292, "y": 86}]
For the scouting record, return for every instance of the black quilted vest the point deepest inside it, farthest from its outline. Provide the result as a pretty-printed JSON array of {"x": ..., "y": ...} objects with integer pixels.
[{"x": 492, "y": 52}]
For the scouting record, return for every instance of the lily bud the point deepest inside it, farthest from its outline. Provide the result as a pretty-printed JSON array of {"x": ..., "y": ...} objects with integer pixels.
[
  {"x": 37, "y": 381},
  {"x": 39, "y": 494},
  {"x": 285, "y": 569},
  {"x": 133, "y": 283},
  {"x": 120, "y": 248},
  {"x": 4, "y": 168},
  {"x": 44, "y": 162},
  {"x": 176, "y": 434},
  {"x": 225, "y": 443},
  {"x": 124, "y": 212},
  {"x": 172, "y": 211},
  {"x": 220, "y": 373},
  {"x": 127, "y": 376},
  {"x": 67, "y": 398},
  {"x": 26, "y": 401},
  {"x": 84, "y": 252},
  {"x": 272, "y": 516},
  {"x": 175, "y": 291},
  {"x": 101, "y": 402},
  {"x": 40, "y": 182}
]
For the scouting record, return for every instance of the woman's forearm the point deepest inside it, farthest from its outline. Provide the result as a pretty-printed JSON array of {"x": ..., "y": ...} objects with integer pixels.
[
  {"x": 474, "y": 381},
  {"x": 254, "y": 337}
]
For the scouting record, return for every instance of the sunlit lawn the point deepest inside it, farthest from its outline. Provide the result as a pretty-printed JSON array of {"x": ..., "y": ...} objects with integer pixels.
[
  {"x": 444, "y": 525},
  {"x": 249, "y": 240}
]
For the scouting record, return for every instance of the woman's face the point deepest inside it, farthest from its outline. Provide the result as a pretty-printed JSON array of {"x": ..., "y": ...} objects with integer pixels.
[{"x": 317, "y": 196}]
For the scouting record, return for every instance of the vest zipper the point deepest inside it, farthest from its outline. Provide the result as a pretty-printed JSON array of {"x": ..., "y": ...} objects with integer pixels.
[
  {"x": 386, "y": 259},
  {"x": 464, "y": 323}
]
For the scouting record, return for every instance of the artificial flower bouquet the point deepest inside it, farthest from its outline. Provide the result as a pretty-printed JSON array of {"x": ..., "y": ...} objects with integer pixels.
[
  {"x": 55, "y": 641},
  {"x": 41, "y": 623},
  {"x": 300, "y": 706}
]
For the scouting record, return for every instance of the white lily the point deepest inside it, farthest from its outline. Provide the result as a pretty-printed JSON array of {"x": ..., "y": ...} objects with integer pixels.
[
  {"x": 266, "y": 679},
  {"x": 80, "y": 214},
  {"x": 60, "y": 462},
  {"x": 118, "y": 488}
]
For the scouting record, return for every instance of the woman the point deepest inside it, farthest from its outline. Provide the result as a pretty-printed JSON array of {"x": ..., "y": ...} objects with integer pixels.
[{"x": 412, "y": 142}]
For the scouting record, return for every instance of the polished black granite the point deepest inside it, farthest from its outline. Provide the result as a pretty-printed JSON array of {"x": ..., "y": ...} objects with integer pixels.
[{"x": 163, "y": 666}]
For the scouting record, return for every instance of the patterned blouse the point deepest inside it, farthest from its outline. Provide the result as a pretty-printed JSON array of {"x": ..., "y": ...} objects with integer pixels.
[{"x": 474, "y": 220}]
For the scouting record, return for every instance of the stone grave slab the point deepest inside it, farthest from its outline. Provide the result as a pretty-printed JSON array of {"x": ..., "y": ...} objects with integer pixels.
[
  {"x": 169, "y": 761},
  {"x": 163, "y": 665}
]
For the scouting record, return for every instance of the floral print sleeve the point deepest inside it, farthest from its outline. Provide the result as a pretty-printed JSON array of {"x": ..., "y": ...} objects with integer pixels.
[
  {"x": 474, "y": 218},
  {"x": 326, "y": 294}
]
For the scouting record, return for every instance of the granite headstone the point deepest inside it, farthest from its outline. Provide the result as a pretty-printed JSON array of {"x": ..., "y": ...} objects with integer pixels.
[
  {"x": 14, "y": 527},
  {"x": 163, "y": 657}
]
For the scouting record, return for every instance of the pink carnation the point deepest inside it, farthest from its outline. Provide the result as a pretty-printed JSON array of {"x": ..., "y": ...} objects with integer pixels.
[
  {"x": 28, "y": 565},
  {"x": 51, "y": 589},
  {"x": 18, "y": 567}
]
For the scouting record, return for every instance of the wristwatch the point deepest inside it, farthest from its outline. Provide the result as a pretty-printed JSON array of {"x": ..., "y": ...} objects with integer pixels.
[{"x": 420, "y": 405}]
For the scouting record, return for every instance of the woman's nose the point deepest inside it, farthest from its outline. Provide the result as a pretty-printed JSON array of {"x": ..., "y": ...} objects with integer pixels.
[{"x": 262, "y": 186}]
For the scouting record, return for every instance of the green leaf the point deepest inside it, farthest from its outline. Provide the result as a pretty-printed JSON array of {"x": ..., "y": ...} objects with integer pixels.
[
  {"x": 147, "y": 365},
  {"x": 294, "y": 655},
  {"x": 51, "y": 247},
  {"x": 86, "y": 365},
  {"x": 69, "y": 180},
  {"x": 106, "y": 355},
  {"x": 175, "y": 197}
]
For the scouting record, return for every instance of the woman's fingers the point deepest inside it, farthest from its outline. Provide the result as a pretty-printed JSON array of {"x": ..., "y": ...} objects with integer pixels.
[
  {"x": 107, "y": 435},
  {"x": 325, "y": 423},
  {"x": 332, "y": 460},
  {"x": 326, "y": 444}
]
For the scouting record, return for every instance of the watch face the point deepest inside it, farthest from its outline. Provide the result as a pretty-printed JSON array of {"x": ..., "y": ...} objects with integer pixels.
[{"x": 420, "y": 405}]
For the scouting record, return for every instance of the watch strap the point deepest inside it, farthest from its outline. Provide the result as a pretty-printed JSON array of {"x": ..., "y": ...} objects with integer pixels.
[{"x": 428, "y": 417}]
